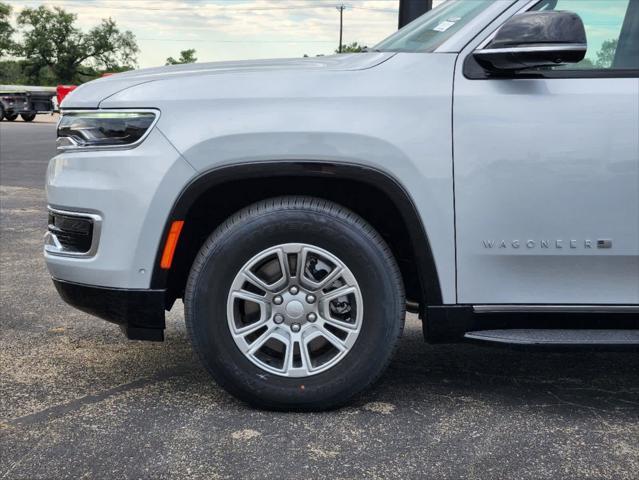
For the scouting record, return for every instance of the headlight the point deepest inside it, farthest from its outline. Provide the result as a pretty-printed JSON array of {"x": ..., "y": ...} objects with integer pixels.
[{"x": 91, "y": 130}]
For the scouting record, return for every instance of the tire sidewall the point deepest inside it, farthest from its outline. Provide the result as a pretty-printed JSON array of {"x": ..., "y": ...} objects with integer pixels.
[{"x": 225, "y": 254}]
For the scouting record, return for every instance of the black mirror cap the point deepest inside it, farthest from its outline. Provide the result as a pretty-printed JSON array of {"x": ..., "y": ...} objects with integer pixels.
[
  {"x": 535, "y": 39},
  {"x": 540, "y": 28}
]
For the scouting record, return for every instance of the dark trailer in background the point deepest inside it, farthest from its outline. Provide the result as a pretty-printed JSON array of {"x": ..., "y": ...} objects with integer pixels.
[
  {"x": 409, "y": 10},
  {"x": 25, "y": 102}
]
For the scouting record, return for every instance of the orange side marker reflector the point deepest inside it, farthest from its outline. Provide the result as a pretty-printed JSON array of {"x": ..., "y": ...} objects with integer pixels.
[{"x": 171, "y": 243}]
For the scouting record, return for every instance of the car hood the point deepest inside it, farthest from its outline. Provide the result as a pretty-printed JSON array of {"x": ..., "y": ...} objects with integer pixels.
[{"x": 92, "y": 93}]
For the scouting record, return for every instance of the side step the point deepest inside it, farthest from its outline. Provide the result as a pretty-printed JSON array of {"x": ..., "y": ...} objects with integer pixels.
[{"x": 556, "y": 337}]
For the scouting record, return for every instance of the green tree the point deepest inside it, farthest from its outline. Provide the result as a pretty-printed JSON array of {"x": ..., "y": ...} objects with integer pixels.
[
  {"x": 585, "y": 64},
  {"x": 12, "y": 72},
  {"x": 186, "y": 56},
  {"x": 351, "y": 48},
  {"x": 606, "y": 54},
  {"x": 6, "y": 30},
  {"x": 52, "y": 42}
]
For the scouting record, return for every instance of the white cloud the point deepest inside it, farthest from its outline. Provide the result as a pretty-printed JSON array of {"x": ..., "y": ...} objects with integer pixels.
[{"x": 235, "y": 29}]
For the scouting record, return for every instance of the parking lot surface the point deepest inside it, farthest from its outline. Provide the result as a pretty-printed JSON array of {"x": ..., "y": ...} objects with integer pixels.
[{"x": 80, "y": 401}]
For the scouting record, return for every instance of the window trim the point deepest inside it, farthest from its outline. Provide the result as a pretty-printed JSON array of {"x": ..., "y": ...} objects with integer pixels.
[{"x": 473, "y": 71}]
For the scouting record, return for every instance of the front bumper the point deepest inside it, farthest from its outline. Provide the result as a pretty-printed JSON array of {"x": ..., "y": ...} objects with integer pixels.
[
  {"x": 107, "y": 211},
  {"x": 129, "y": 194},
  {"x": 140, "y": 313}
]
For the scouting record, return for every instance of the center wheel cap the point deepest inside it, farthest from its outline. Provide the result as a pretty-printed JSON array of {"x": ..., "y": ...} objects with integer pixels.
[{"x": 294, "y": 309}]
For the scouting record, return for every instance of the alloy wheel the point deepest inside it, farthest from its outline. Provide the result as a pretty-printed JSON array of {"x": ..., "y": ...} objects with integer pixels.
[{"x": 295, "y": 310}]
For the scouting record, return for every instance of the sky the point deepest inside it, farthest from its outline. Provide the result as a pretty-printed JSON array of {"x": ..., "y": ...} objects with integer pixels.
[
  {"x": 235, "y": 29},
  {"x": 246, "y": 29}
]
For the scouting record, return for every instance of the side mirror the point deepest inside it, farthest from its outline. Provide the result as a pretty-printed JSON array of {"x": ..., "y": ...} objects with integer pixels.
[{"x": 535, "y": 39}]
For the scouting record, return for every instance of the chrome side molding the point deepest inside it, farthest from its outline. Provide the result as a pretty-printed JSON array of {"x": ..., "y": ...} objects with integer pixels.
[{"x": 556, "y": 308}]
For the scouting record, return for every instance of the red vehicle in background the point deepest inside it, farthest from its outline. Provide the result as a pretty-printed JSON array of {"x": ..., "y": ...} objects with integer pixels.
[{"x": 62, "y": 91}]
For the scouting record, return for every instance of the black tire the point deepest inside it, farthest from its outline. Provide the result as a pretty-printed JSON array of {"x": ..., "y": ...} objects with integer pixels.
[
  {"x": 28, "y": 117},
  {"x": 1, "y": 112},
  {"x": 277, "y": 221},
  {"x": 10, "y": 116}
]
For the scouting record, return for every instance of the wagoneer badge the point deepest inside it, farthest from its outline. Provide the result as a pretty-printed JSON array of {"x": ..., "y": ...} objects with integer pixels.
[{"x": 550, "y": 244}]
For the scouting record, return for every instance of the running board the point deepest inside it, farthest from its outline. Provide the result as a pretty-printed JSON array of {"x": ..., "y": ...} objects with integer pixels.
[{"x": 557, "y": 337}]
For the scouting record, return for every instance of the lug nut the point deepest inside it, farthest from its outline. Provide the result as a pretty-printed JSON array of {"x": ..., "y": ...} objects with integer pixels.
[
  {"x": 278, "y": 300},
  {"x": 294, "y": 290},
  {"x": 278, "y": 318},
  {"x": 311, "y": 317},
  {"x": 310, "y": 298},
  {"x": 296, "y": 327}
]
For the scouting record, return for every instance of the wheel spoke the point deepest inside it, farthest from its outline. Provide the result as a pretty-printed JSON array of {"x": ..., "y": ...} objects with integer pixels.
[
  {"x": 258, "y": 282},
  {"x": 289, "y": 357},
  {"x": 251, "y": 328},
  {"x": 339, "y": 292},
  {"x": 259, "y": 343},
  {"x": 339, "y": 323},
  {"x": 328, "y": 335},
  {"x": 249, "y": 296},
  {"x": 270, "y": 287},
  {"x": 305, "y": 358},
  {"x": 286, "y": 274},
  {"x": 289, "y": 360},
  {"x": 285, "y": 265},
  {"x": 330, "y": 278},
  {"x": 301, "y": 266}
]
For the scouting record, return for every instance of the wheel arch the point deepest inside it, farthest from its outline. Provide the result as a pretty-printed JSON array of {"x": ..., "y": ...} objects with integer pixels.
[{"x": 221, "y": 188}]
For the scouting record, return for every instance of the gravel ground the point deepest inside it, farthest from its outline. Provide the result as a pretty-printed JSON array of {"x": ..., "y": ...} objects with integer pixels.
[{"x": 80, "y": 401}]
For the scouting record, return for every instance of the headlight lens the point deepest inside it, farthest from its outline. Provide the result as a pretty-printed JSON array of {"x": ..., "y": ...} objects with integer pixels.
[{"x": 102, "y": 130}]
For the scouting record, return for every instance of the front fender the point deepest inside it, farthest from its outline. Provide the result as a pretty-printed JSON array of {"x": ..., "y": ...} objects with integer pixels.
[{"x": 394, "y": 118}]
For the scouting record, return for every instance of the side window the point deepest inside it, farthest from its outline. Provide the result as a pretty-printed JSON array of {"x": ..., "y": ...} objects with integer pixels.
[{"x": 611, "y": 30}]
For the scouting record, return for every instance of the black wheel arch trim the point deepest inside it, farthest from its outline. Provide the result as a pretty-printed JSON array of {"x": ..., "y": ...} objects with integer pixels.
[{"x": 428, "y": 277}]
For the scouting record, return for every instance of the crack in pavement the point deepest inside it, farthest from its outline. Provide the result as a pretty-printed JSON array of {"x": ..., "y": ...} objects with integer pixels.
[{"x": 63, "y": 409}]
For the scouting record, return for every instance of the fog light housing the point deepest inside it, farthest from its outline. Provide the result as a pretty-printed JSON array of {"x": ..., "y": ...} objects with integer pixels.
[{"x": 72, "y": 233}]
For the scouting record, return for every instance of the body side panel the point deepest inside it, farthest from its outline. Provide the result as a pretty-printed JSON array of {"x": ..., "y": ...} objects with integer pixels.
[
  {"x": 395, "y": 118},
  {"x": 544, "y": 168}
]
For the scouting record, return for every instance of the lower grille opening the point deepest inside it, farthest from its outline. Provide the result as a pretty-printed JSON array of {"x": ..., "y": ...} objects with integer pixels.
[{"x": 72, "y": 234}]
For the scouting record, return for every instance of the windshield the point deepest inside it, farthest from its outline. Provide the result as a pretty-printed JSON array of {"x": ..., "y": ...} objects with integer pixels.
[{"x": 433, "y": 28}]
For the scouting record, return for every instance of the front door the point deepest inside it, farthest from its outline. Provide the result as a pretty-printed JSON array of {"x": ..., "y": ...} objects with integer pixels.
[{"x": 546, "y": 172}]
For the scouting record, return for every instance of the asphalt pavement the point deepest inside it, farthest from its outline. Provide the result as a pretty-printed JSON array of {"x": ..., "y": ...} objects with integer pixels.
[{"x": 78, "y": 400}]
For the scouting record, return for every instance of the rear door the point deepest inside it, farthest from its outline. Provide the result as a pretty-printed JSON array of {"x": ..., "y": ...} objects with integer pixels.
[{"x": 547, "y": 172}]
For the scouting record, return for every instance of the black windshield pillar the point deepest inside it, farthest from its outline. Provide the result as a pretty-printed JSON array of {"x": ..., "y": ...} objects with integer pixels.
[{"x": 409, "y": 10}]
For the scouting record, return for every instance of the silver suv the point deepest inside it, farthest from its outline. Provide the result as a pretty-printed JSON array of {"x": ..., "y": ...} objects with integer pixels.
[{"x": 481, "y": 162}]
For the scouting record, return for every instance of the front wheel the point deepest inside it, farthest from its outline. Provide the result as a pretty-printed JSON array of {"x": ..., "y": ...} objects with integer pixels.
[
  {"x": 10, "y": 116},
  {"x": 28, "y": 117},
  {"x": 295, "y": 303}
]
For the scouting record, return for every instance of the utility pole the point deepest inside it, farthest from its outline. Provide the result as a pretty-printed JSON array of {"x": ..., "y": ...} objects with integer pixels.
[{"x": 341, "y": 9}]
